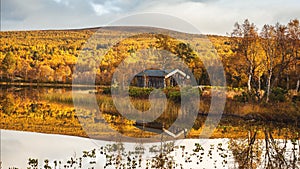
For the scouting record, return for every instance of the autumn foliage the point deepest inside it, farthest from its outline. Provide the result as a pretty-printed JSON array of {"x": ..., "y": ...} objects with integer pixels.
[{"x": 252, "y": 58}]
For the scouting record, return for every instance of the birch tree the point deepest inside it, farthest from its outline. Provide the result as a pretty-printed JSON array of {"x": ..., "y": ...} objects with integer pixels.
[
  {"x": 293, "y": 36},
  {"x": 268, "y": 35},
  {"x": 245, "y": 39}
]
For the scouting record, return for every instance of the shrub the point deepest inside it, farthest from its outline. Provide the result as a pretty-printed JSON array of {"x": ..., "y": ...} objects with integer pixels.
[
  {"x": 244, "y": 97},
  {"x": 296, "y": 98},
  {"x": 106, "y": 90},
  {"x": 174, "y": 96},
  {"x": 140, "y": 92},
  {"x": 278, "y": 95}
]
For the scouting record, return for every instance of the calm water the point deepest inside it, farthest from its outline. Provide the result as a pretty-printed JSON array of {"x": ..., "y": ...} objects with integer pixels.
[{"x": 241, "y": 144}]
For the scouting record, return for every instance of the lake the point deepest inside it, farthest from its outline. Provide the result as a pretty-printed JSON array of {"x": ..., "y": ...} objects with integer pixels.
[{"x": 120, "y": 141}]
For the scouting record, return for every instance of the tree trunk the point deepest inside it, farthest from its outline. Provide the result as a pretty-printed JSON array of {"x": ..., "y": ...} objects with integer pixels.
[
  {"x": 26, "y": 75},
  {"x": 259, "y": 84},
  {"x": 249, "y": 81},
  {"x": 298, "y": 84},
  {"x": 287, "y": 82},
  {"x": 259, "y": 89},
  {"x": 269, "y": 86}
]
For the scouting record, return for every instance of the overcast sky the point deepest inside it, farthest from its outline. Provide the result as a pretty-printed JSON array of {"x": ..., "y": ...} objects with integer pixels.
[{"x": 209, "y": 16}]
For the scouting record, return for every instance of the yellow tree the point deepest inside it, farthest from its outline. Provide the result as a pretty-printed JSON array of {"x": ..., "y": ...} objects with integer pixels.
[
  {"x": 62, "y": 73},
  {"x": 284, "y": 56},
  {"x": 294, "y": 39},
  {"x": 244, "y": 39},
  {"x": 23, "y": 68},
  {"x": 8, "y": 65},
  {"x": 268, "y": 35},
  {"x": 46, "y": 73}
]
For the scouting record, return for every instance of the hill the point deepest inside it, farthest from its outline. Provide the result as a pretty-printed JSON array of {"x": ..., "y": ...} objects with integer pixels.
[{"x": 52, "y": 55}]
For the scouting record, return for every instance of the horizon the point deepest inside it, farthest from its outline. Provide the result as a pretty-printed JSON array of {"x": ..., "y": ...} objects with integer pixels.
[
  {"x": 137, "y": 26},
  {"x": 103, "y": 27}
]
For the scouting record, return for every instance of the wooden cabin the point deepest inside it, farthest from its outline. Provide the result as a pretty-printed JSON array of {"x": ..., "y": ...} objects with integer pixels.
[{"x": 160, "y": 78}]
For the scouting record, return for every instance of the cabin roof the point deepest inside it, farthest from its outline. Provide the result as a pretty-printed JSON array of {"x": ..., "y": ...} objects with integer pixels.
[
  {"x": 161, "y": 73},
  {"x": 156, "y": 73}
]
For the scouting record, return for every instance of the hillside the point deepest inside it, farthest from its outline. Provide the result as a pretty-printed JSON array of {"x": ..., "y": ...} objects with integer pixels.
[{"x": 51, "y": 55}]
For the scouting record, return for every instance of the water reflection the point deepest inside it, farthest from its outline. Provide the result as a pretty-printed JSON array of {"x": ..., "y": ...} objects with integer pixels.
[
  {"x": 189, "y": 153},
  {"x": 267, "y": 152},
  {"x": 50, "y": 110}
]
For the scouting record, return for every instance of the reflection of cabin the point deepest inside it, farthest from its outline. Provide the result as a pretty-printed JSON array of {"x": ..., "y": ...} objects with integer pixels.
[{"x": 160, "y": 78}]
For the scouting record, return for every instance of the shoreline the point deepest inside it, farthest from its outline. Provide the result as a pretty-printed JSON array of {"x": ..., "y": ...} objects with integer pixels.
[{"x": 53, "y": 85}]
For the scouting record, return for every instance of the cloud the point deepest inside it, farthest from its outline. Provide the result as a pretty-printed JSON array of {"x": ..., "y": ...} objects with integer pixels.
[
  {"x": 105, "y": 8},
  {"x": 35, "y": 14},
  {"x": 219, "y": 16},
  {"x": 14, "y": 10},
  {"x": 100, "y": 9},
  {"x": 210, "y": 16}
]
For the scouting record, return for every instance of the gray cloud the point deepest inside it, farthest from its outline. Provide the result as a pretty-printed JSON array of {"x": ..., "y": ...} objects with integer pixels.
[
  {"x": 14, "y": 10},
  {"x": 210, "y": 16}
]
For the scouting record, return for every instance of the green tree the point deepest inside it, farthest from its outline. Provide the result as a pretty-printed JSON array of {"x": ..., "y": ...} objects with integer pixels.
[{"x": 185, "y": 52}]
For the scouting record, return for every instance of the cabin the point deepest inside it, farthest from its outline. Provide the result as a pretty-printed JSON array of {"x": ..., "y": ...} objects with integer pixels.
[{"x": 160, "y": 78}]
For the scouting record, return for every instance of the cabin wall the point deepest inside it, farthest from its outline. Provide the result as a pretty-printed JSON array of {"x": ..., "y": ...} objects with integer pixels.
[
  {"x": 159, "y": 82},
  {"x": 155, "y": 82}
]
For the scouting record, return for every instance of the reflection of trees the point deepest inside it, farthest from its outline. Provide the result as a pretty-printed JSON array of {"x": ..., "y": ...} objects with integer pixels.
[
  {"x": 270, "y": 153},
  {"x": 7, "y": 104},
  {"x": 277, "y": 154},
  {"x": 163, "y": 158},
  {"x": 247, "y": 151},
  {"x": 114, "y": 154},
  {"x": 118, "y": 157}
]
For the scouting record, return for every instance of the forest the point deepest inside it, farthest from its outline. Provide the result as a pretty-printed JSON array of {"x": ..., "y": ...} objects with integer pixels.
[
  {"x": 261, "y": 66},
  {"x": 261, "y": 61}
]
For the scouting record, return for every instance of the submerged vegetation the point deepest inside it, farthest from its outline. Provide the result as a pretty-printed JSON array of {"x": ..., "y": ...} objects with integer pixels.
[{"x": 245, "y": 152}]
